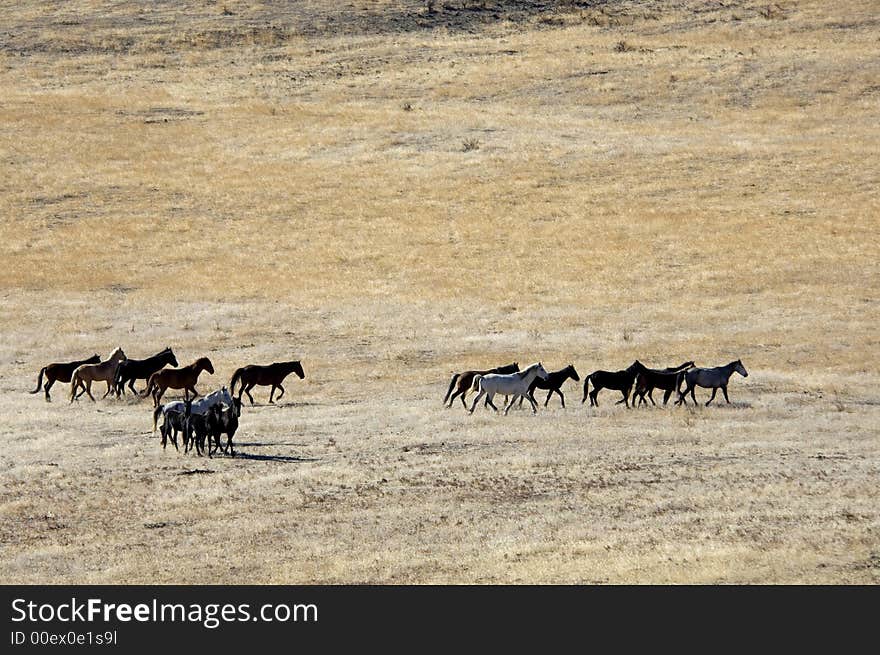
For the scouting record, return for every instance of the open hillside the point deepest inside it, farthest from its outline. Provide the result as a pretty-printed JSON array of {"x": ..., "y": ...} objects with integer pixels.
[{"x": 392, "y": 193}]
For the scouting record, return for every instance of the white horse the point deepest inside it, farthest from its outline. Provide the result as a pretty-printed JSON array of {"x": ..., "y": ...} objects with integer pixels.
[
  {"x": 200, "y": 406},
  {"x": 514, "y": 385}
]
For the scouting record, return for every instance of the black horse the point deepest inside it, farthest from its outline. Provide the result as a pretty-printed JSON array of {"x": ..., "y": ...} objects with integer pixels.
[
  {"x": 173, "y": 423},
  {"x": 199, "y": 427},
  {"x": 224, "y": 422},
  {"x": 650, "y": 379},
  {"x": 61, "y": 372},
  {"x": 554, "y": 382},
  {"x": 621, "y": 381},
  {"x": 140, "y": 369}
]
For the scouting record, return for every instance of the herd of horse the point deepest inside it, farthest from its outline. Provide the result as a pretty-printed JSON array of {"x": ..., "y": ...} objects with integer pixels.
[
  {"x": 202, "y": 422},
  {"x": 638, "y": 379}
]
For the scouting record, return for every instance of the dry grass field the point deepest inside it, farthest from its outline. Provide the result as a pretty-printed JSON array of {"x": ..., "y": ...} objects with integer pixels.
[{"x": 391, "y": 195}]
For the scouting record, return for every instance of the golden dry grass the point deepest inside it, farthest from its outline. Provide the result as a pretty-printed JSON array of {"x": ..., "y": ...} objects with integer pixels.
[{"x": 391, "y": 196}]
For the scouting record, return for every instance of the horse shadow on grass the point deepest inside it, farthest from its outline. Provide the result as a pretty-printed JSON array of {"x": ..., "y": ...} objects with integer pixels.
[{"x": 287, "y": 459}]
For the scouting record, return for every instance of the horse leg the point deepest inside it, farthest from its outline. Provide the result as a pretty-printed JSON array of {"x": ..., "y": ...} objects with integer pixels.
[
  {"x": 510, "y": 404},
  {"x": 489, "y": 398},
  {"x": 714, "y": 391},
  {"x": 195, "y": 393},
  {"x": 650, "y": 396},
  {"x": 561, "y": 397},
  {"x": 594, "y": 400},
  {"x": 89, "y": 390},
  {"x": 693, "y": 395},
  {"x": 158, "y": 392},
  {"x": 724, "y": 391},
  {"x": 463, "y": 396},
  {"x": 131, "y": 386},
  {"x": 453, "y": 396},
  {"x": 248, "y": 392},
  {"x": 271, "y": 393},
  {"x": 547, "y": 400},
  {"x": 77, "y": 386},
  {"x": 476, "y": 400},
  {"x": 534, "y": 404},
  {"x": 666, "y": 395},
  {"x": 282, "y": 391},
  {"x": 109, "y": 389},
  {"x": 49, "y": 384}
]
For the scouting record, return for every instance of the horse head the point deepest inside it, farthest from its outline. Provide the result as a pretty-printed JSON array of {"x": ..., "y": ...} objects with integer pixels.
[
  {"x": 572, "y": 373},
  {"x": 298, "y": 369},
  {"x": 541, "y": 371},
  {"x": 205, "y": 364},
  {"x": 117, "y": 355},
  {"x": 739, "y": 368}
]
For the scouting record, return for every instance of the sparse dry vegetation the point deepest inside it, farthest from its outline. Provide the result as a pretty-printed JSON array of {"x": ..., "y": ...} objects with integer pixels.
[{"x": 238, "y": 179}]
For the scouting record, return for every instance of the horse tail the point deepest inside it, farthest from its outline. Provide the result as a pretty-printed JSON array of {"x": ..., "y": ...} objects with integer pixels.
[
  {"x": 150, "y": 384},
  {"x": 74, "y": 380},
  {"x": 156, "y": 413},
  {"x": 40, "y": 380},
  {"x": 678, "y": 380},
  {"x": 235, "y": 378},
  {"x": 475, "y": 385},
  {"x": 445, "y": 398},
  {"x": 586, "y": 387}
]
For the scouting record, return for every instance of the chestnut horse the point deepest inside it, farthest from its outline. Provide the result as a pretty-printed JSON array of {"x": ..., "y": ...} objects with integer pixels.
[
  {"x": 177, "y": 378},
  {"x": 84, "y": 375},
  {"x": 61, "y": 372},
  {"x": 273, "y": 374}
]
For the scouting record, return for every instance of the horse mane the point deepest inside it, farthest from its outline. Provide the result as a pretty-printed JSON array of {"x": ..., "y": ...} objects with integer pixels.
[{"x": 522, "y": 373}]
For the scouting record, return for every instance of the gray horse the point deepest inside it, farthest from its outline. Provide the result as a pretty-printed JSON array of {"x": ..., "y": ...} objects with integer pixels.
[{"x": 708, "y": 378}]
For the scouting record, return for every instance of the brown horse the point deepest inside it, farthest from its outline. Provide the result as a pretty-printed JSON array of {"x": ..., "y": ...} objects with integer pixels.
[
  {"x": 84, "y": 375},
  {"x": 177, "y": 378},
  {"x": 61, "y": 372},
  {"x": 273, "y": 374}
]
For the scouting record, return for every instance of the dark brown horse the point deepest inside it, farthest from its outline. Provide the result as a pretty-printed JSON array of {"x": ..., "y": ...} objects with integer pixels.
[
  {"x": 177, "y": 378},
  {"x": 61, "y": 372},
  {"x": 462, "y": 382},
  {"x": 273, "y": 374},
  {"x": 650, "y": 379}
]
